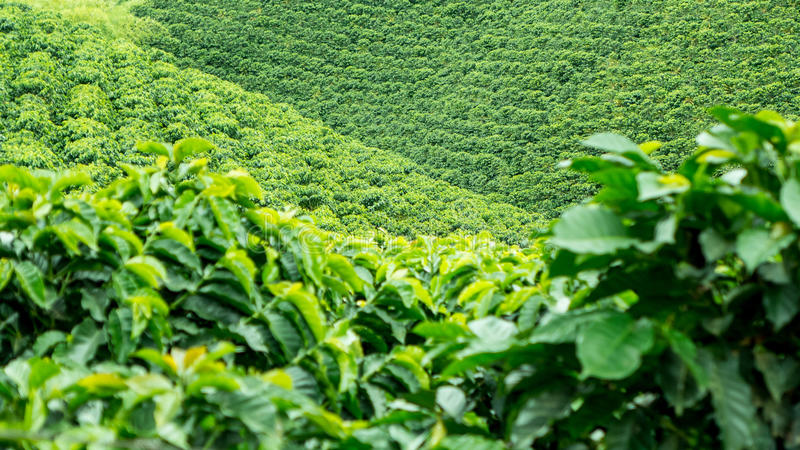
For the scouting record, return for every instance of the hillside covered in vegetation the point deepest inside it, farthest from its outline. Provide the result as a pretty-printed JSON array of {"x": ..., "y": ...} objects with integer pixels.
[
  {"x": 168, "y": 310},
  {"x": 74, "y": 96},
  {"x": 490, "y": 95},
  {"x": 155, "y": 293}
]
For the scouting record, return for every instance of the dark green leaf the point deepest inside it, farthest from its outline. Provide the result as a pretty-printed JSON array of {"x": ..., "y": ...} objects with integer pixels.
[
  {"x": 782, "y": 305},
  {"x": 32, "y": 283},
  {"x": 733, "y": 404},
  {"x": 780, "y": 373},
  {"x": 537, "y": 413},
  {"x": 612, "y": 347}
]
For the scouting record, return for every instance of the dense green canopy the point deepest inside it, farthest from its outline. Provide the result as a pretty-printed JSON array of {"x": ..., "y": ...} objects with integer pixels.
[
  {"x": 73, "y": 96},
  {"x": 490, "y": 95}
]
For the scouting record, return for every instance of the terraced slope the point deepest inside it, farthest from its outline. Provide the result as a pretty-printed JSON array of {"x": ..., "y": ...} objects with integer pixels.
[
  {"x": 72, "y": 96},
  {"x": 491, "y": 94}
]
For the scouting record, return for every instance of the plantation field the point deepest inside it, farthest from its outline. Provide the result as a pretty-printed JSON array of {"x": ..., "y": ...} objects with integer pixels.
[
  {"x": 159, "y": 290},
  {"x": 490, "y": 95},
  {"x": 168, "y": 310},
  {"x": 74, "y": 96}
]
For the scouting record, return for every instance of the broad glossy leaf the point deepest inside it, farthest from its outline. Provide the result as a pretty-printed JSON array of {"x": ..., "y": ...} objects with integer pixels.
[
  {"x": 253, "y": 407},
  {"x": 190, "y": 147},
  {"x": 103, "y": 383},
  {"x": 782, "y": 305},
  {"x": 790, "y": 200},
  {"x": 734, "y": 411},
  {"x": 611, "y": 142},
  {"x": 679, "y": 385},
  {"x": 246, "y": 186},
  {"x": 32, "y": 282},
  {"x": 165, "y": 362},
  {"x": 756, "y": 246},
  {"x": 178, "y": 252},
  {"x": 119, "y": 331},
  {"x": 41, "y": 371},
  {"x": 237, "y": 261},
  {"x": 591, "y": 229},
  {"x": 559, "y": 328},
  {"x": 6, "y": 272},
  {"x": 452, "y": 400},
  {"x": 306, "y": 303},
  {"x": 344, "y": 269},
  {"x": 537, "y": 413},
  {"x": 48, "y": 340},
  {"x": 148, "y": 268},
  {"x": 630, "y": 433},
  {"x": 220, "y": 381},
  {"x": 612, "y": 347},
  {"x": 154, "y": 148},
  {"x": 714, "y": 246},
  {"x": 75, "y": 231},
  {"x": 86, "y": 339},
  {"x": 440, "y": 330},
  {"x": 652, "y": 185},
  {"x": 781, "y": 373},
  {"x": 493, "y": 329}
]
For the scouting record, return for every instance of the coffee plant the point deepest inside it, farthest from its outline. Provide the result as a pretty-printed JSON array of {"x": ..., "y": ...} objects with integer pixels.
[
  {"x": 489, "y": 95},
  {"x": 170, "y": 309},
  {"x": 74, "y": 96}
]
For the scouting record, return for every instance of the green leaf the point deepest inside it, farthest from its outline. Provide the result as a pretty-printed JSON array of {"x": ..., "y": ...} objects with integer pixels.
[
  {"x": 537, "y": 413},
  {"x": 562, "y": 328},
  {"x": 686, "y": 350},
  {"x": 440, "y": 330},
  {"x": 48, "y": 340},
  {"x": 339, "y": 265},
  {"x": 189, "y": 147},
  {"x": 630, "y": 433},
  {"x": 781, "y": 305},
  {"x": 6, "y": 272},
  {"x": 790, "y": 200},
  {"x": 237, "y": 261},
  {"x": 246, "y": 186},
  {"x": 155, "y": 357},
  {"x": 781, "y": 373},
  {"x": 652, "y": 185},
  {"x": 611, "y": 142},
  {"x": 756, "y": 247},
  {"x": 41, "y": 371},
  {"x": 70, "y": 179},
  {"x": 86, "y": 339},
  {"x": 148, "y": 268},
  {"x": 254, "y": 408},
  {"x": 32, "y": 282},
  {"x": 590, "y": 229},
  {"x": 176, "y": 251},
  {"x": 612, "y": 347},
  {"x": 452, "y": 401},
  {"x": 119, "y": 329},
  {"x": 493, "y": 329},
  {"x": 733, "y": 404},
  {"x": 75, "y": 231},
  {"x": 469, "y": 441},
  {"x": 680, "y": 387},
  {"x": 221, "y": 381},
  {"x": 225, "y": 214},
  {"x": 306, "y": 303},
  {"x": 154, "y": 148},
  {"x": 714, "y": 246}
]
